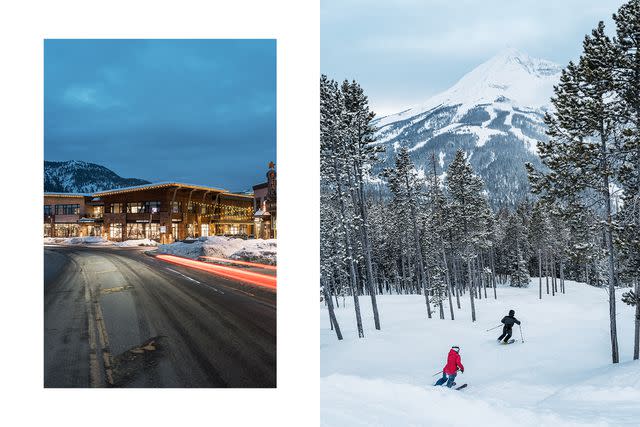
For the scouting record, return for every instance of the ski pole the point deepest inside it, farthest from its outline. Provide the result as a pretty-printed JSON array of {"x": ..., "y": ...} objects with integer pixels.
[
  {"x": 521, "y": 337},
  {"x": 436, "y": 374},
  {"x": 493, "y": 328}
]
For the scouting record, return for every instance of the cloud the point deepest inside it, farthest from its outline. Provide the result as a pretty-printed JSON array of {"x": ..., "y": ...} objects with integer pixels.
[{"x": 87, "y": 96}]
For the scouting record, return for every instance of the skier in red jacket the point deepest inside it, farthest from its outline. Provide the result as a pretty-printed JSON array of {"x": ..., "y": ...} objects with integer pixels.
[{"x": 451, "y": 368}]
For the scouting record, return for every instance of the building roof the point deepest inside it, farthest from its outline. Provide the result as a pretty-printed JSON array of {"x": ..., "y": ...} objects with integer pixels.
[
  {"x": 165, "y": 185},
  {"x": 155, "y": 185},
  {"x": 259, "y": 186},
  {"x": 77, "y": 195}
]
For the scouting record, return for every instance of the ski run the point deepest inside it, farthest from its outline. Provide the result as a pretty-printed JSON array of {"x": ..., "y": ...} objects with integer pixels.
[{"x": 560, "y": 376}]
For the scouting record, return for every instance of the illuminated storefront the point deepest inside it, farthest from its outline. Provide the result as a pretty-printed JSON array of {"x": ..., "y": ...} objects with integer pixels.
[{"x": 164, "y": 212}]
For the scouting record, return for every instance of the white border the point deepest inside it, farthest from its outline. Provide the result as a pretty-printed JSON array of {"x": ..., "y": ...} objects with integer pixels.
[{"x": 24, "y": 25}]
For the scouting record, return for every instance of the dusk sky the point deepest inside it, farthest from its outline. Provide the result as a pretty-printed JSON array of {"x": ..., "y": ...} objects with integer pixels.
[
  {"x": 402, "y": 52},
  {"x": 193, "y": 111}
]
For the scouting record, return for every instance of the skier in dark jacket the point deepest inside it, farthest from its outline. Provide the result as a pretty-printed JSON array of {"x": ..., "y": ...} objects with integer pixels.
[{"x": 508, "y": 321}]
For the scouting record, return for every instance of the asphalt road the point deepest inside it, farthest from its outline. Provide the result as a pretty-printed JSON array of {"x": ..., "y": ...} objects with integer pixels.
[{"x": 115, "y": 317}]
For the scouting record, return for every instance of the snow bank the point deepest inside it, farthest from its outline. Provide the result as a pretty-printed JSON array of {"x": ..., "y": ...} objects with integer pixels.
[
  {"x": 92, "y": 240},
  {"x": 89, "y": 240},
  {"x": 561, "y": 375},
  {"x": 139, "y": 242},
  {"x": 256, "y": 250}
]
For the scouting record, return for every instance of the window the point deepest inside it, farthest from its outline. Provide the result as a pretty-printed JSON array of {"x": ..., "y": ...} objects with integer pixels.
[
  {"x": 135, "y": 231},
  {"x": 191, "y": 208},
  {"x": 47, "y": 230},
  {"x": 151, "y": 207},
  {"x": 97, "y": 211},
  {"x": 234, "y": 229},
  {"x": 135, "y": 207},
  {"x": 174, "y": 231},
  {"x": 47, "y": 210},
  {"x": 153, "y": 231},
  {"x": 115, "y": 231},
  {"x": 116, "y": 208},
  {"x": 67, "y": 230},
  {"x": 175, "y": 207},
  {"x": 191, "y": 230},
  {"x": 204, "y": 230},
  {"x": 94, "y": 230},
  {"x": 67, "y": 209}
]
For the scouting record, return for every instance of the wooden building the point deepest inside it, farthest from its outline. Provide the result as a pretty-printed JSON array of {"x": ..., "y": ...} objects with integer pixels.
[{"x": 164, "y": 212}]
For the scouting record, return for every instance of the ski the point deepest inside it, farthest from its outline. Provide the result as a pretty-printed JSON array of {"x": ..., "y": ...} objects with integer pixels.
[
  {"x": 461, "y": 387},
  {"x": 511, "y": 341}
]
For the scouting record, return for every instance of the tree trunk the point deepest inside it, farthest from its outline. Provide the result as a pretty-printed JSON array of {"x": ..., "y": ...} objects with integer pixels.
[
  {"x": 553, "y": 278},
  {"x": 352, "y": 268},
  {"x": 473, "y": 306},
  {"x": 332, "y": 314},
  {"x": 546, "y": 272},
  {"x": 636, "y": 340},
  {"x": 416, "y": 238},
  {"x": 493, "y": 275},
  {"x": 366, "y": 246},
  {"x": 457, "y": 281},
  {"x": 540, "y": 271},
  {"x": 449, "y": 286}
]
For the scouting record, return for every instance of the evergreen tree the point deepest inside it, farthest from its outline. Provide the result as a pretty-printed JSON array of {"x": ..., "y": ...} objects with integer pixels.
[
  {"x": 468, "y": 215},
  {"x": 582, "y": 153}
]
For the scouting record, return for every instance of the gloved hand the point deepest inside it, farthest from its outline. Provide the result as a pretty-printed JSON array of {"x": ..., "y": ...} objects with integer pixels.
[{"x": 462, "y": 370}]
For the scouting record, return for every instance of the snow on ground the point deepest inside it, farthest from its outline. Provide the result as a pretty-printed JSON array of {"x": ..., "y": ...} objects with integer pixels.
[
  {"x": 97, "y": 241},
  {"x": 138, "y": 242},
  {"x": 89, "y": 240},
  {"x": 561, "y": 375},
  {"x": 256, "y": 250}
]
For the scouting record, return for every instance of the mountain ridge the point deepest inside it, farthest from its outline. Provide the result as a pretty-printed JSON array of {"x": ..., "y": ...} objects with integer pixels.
[
  {"x": 77, "y": 176},
  {"x": 494, "y": 112}
]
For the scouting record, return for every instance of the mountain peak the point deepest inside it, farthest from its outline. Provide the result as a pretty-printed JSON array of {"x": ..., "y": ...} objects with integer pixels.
[{"x": 510, "y": 76}]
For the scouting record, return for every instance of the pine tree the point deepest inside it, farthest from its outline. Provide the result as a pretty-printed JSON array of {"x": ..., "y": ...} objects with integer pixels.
[
  {"x": 468, "y": 210},
  {"x": 520, "y": 275},
  {"x": 627, "y": 85},
  {"x": 581, "y": 153}
]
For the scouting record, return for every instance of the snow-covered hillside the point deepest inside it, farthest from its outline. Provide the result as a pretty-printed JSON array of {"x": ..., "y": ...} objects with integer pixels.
[
  {"x": 76, "y": 176},
  {"x": 495, "y": 113},
  {"x": 561, "y": 375}
]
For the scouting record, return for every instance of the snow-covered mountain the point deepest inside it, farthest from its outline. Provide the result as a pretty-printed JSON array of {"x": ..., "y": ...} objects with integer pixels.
[
  {"x": 75, "y": 176},
  {"x": 494, "y": 113}
]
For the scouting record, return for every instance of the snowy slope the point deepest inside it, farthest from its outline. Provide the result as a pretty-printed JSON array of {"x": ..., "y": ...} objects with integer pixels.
[
  {"x": 495, "y": 113},
  {"x": 561, "y": 375},
  {"x": 76, "y": 176}
]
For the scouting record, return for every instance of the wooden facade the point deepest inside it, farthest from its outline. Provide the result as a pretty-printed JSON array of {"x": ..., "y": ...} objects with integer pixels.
[{"x": 164, "y": 212}]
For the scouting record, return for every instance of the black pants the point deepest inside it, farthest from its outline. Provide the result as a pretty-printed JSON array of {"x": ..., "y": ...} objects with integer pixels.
[{"x": 506, "y": 334}]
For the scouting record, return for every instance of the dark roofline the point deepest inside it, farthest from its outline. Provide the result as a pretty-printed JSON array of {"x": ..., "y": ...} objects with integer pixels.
[{"x": 260, "y": 186}]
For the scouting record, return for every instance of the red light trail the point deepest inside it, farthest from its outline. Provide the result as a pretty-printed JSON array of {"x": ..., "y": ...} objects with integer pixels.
[
  {"x": 233, "y": 261},
  {"x": 228, "y": 272}
]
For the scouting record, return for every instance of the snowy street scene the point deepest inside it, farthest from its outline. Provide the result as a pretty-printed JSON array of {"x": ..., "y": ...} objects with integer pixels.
[
  {"x": 160, "y": 241},
  {"x": 480, "y": 214}
]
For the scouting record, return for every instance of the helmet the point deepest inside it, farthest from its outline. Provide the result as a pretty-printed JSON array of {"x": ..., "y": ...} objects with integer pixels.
[
  {"x": 456, "y": 348},
  {"x": 511, "y": 312}
]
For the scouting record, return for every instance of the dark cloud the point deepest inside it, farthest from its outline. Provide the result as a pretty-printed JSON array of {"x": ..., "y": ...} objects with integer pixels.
[{"x": 199, "y": 111}]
